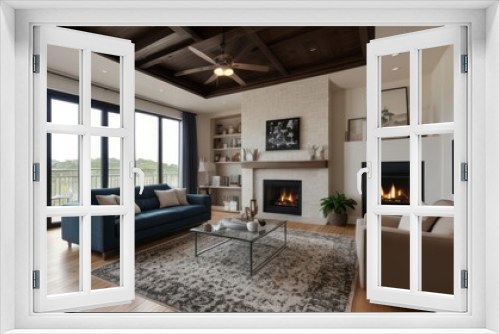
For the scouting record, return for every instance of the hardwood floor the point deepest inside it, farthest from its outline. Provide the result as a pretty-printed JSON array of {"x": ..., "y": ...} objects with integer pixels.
[{"x": 63, "y": 271}]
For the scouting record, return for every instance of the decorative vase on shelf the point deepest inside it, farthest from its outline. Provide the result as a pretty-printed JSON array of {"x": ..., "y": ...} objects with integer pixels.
[
  {"x": 230, "y": 130},
  {"x": 320, "y": 155},
  {"x": 311, "y": 150}
]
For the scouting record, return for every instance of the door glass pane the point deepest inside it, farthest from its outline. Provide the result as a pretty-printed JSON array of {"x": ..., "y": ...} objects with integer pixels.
[
  {"x": 63, "y": 61},
  {"x": 395, "y": 83},
  {"x": 113, "y": 120},
  {"x": 95, "y": 118},
  {"x": 395, "y": 251},
  {"x": 108, "y": 276},
  {"x": 437, "y": 85},
  {"x": 63, "y": 257},
  {"x": 437, "y": 254},
  {"x": 114, "y": 159},
  {"x": 436, "y": 171},
  {"x": 102, "y": 164},
  {"x": 170, "y": 152},
  {"x": 395, "y": 171},
  {"x": 64, "y": 168},
  {"x": 106, "y": 74},
  {"x": 146, "y": 147},
  {"x": 96, "y": 164}
]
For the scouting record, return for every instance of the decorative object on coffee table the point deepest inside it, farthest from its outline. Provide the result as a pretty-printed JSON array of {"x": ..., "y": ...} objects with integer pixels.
[
  {"x": 334, "y": 208},
  {"x": 252, "y": 210}
]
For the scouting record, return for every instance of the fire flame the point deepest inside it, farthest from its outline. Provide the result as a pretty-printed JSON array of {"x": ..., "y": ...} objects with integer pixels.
[
  {"x": 393, "y": 194},
  {"x": 286, "y": 198}
]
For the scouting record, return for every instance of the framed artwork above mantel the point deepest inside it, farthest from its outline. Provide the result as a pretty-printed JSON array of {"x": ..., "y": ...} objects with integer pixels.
[{"x": 283, "y": 134}]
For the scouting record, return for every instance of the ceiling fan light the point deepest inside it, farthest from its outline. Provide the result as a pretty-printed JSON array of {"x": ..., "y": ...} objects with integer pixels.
[
  {"x": 228, "y": 72},
  {"x": 219, "y": 71}
]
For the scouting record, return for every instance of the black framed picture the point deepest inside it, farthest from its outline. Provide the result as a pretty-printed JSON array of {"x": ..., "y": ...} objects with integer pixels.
[{"x": 283, "y": 134}]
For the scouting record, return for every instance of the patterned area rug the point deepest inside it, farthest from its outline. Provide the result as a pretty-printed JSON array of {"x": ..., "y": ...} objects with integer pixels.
[{"x": 316, "y": 273}]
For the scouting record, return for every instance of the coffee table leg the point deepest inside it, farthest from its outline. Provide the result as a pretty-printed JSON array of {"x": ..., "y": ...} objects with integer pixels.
[
  {"x": 251, "y": 258},
  {"x": 195, "y": 244}
]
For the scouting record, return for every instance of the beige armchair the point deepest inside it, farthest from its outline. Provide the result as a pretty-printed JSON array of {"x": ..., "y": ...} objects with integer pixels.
[{"x": 437, "y": 253}]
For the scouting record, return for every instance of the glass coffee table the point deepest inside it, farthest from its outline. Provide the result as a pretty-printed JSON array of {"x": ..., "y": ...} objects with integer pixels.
[{"x": 272, "y": 226}]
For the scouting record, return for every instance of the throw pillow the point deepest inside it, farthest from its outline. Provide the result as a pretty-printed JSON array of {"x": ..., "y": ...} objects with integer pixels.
[
  {"x": 404, "y": 223},
  {"x": 181, "y": 196},
  {"x": 428, "y": 222},
  {"x": 167, "y": 198},
  {"x": 106, "y": 199},
  {"x": 137, "y": 208},
  {"x": 443, "y": 225}
]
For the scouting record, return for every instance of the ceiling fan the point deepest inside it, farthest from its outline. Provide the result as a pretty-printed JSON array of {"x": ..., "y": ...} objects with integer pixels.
[{"x": 222, "y": 65}]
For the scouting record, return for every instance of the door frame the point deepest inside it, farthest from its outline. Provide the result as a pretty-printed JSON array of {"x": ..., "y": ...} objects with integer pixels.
[{"x": 475, "y": 19}]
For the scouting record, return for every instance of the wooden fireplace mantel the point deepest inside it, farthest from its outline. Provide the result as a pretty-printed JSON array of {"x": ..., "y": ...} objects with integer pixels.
[{"x": 307, "y": 164}]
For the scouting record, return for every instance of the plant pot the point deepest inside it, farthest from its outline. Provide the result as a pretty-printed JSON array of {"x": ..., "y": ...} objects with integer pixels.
[{"x": 337, "y": 219}]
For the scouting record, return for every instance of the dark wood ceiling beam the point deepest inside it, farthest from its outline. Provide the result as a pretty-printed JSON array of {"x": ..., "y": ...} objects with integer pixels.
[
  {"x": 305, "y": 36},
  {"x": 158, "y": 40},
  {"x": 160, "y": 56},
  {"x": 363, "y": 39},
  {"x": 345, "y": 64},
  {"x": 255, "y": 39},
  {"x": 187, "y": 33}
]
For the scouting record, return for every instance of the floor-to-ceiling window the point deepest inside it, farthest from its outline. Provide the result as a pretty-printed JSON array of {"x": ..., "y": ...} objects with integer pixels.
[
  {"x": 157, "y": 148},
  {"x": 156, "y": 143}
]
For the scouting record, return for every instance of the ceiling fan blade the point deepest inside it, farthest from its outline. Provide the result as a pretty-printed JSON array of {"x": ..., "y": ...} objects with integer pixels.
[
  {"x": 239, "y": 80},
  {"x": 194, "y": 70},
  {"x": 201, "y": 55},
  {"x": 211, "y": 79},
  {"x": 251, "y": 67}
]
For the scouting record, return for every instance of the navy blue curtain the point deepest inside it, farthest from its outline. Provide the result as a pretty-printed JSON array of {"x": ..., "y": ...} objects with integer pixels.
[{"x": 189, "y": 153}]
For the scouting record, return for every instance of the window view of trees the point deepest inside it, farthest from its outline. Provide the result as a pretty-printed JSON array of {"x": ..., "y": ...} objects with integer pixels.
[{"x": 63, "y": 154}]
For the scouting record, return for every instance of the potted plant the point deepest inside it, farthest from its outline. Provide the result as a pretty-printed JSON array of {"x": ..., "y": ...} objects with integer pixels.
[{"x": 334, "y": 208}]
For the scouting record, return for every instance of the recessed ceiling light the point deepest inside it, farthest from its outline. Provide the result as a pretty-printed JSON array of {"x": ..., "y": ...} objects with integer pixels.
[
  {"x": 104, "y": 71},
  {"x": 162, "y": 90},
  {"x": 395, "y": 54},
  {"x": 312, "y": 49},
  {"x": 395, "y": 68}
]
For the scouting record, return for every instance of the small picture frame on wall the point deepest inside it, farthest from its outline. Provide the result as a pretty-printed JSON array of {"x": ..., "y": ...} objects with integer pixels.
[
  {"x": 356, "y": 129},
  {"x": 394, "y": 107}
]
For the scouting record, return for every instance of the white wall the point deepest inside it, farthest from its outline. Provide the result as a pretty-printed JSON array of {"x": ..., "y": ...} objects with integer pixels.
[
  {"x": 7, "y": 166},
  {"x": 307, "y": 99}
]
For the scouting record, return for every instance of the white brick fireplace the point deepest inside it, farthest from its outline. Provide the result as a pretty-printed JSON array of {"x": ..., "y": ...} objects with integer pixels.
[{"x": 309, "y": 100}]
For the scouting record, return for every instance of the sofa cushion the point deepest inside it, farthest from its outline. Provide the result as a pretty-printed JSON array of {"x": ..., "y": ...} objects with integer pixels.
[
  {"x": 181, "y": 196},
  {"x": 443, "y": 225},
  {"x": 137, "y": 209},
  {"x": 106, "y": 199},
  {"x": 156, "y": 217},
  {"x": 167, "y": 198},
  {"x": 430, "y": 221}
]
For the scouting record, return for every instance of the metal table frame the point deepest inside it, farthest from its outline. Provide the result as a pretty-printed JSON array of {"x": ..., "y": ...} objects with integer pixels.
[{"x": 253, "y": 269}]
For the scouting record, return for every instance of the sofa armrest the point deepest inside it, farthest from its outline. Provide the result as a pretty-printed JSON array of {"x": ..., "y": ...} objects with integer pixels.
[
  {"x": 387, "y": 221},
  {"x": 205, "y": 200},
  {"x": 437, "y": 259},
  {"x": 103, "y": 236}
]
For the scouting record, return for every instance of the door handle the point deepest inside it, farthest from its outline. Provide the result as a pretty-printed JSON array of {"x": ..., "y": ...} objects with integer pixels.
[
  {"x": 368, "y": 171},
  {"x": 139, "y": 171}
]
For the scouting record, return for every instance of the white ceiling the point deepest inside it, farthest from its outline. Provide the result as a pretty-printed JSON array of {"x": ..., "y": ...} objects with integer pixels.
[{"x": 105, "y": 73}]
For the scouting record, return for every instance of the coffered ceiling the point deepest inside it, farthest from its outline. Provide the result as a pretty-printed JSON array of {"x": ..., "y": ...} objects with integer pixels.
[{"x": 283, "y": 53}]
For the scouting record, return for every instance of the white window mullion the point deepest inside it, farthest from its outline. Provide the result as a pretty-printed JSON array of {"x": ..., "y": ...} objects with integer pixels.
[
  {"x": 415, "y": 79},
  {"x": 86, "y": 171}
]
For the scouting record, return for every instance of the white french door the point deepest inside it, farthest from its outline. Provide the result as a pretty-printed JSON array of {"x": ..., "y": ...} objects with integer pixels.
[
  {"x": 71, "y": 135},
  {"x": 417, "y": 103}
]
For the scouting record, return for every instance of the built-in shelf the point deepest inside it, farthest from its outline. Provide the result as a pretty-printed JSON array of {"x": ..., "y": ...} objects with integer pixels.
[
  {"x": 221, "y": 209},
  {"x": 307, "y": 164},
  {"x": 228, "y": 187},
  {"x": 227, "y": 149},
  {"x": 228, "y": 162},
  {"x": 232, "y": 135}
]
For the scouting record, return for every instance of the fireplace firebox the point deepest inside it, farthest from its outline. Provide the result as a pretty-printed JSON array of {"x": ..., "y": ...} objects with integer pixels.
[
  {"x": 395, "y": 188},
  {"x": 283, "y": 196}
]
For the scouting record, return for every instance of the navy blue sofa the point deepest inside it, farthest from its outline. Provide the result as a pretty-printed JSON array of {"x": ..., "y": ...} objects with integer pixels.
[{"x": 153, "y": 222}]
